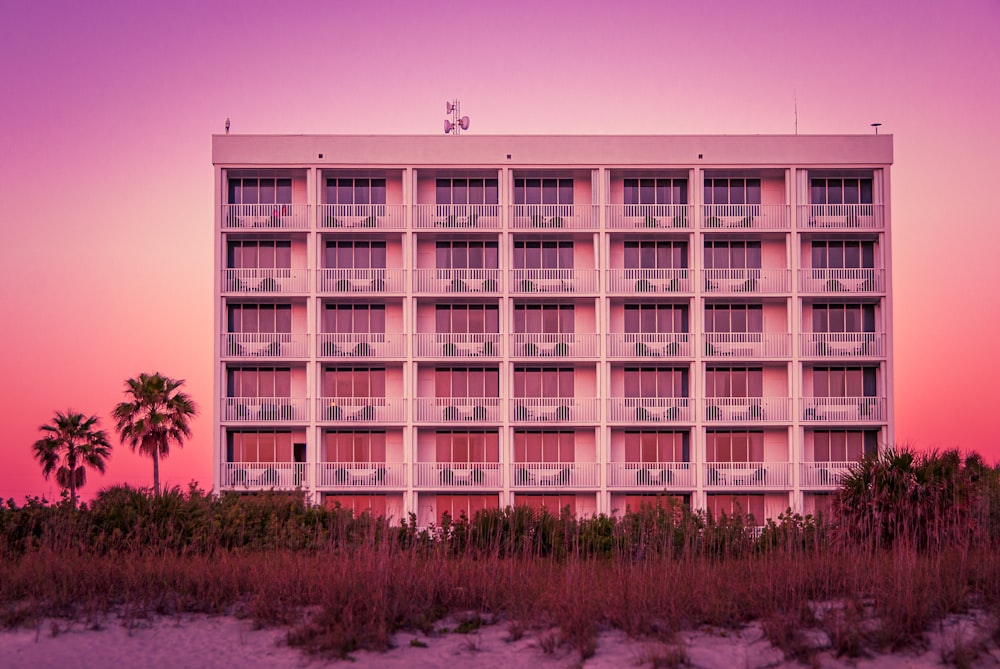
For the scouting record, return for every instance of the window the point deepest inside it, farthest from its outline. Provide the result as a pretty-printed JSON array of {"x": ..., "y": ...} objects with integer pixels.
[
  {"x": 467, "y": 255},
  {"x": 728, "y": 446},
  {"x": 355, "y": 195},
  {"x": 732, "y": 191},
  {"x": 734, "y": 382},
  {"x": 260, "y": 191},
  {"x": 636, "y": 502},
  {"x": 543, "y": 255},
  {"x": 259, "y": 446},
  {"x": 656, "y": 255},
  {"x": 652, "y": 446},
  {"x": 259, "y": 382},
  {"x": 654, "y": 318},
  {"x": 553, "y": 504},
  {"x": 732, "y": 255},
  {"x": 375, "y": 505},
  {"x": 355, "y": 255},
  {"x": 466, "y": 382},
  {"x": 843, "y": 254},
  {"x": 544, "y": 446},
  {"x": 349, "y": 382},
  {"x": 835, "y": 190},
  {"x": 354, "y": 319},
  {"x": 467, "y": 191},
  {"x": 467, "y": 319},
  {"x": 734, "y": 318},
  {"x": 844, "y": 382},
  {"x": 461, "y": 447},
  {"x": 544, "y": 191},
  {"x": 655, "y": 191},
  {"x": 249, "y": 254},
  {"x": 655, "y": 382},
  {"x": 259, "y": 318},
  {"x": 733, "y": 505},
  {"x": 543, "y": 318},
  {"x": 833, "y": 318},
  {"x": 359, "y": 447},
  {"x": 543, "y": 382},
  {"x": 843, "y": 445},
  {"x": 457, "y": 506}
]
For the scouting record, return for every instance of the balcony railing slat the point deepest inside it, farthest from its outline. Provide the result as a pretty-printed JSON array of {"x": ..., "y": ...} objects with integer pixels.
[
  {"x": 549, "y": 475},
  {"x": 265, "y": 217},
  {"x": 747, "y": 475},
  {"x": 651, "y": 475}
]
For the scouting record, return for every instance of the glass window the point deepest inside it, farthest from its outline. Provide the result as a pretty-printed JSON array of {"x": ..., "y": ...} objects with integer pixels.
[
  {"x": 543, "y": 382},
  {"x": 259, "y": 446},
  {"x": 657, "y": 446},
  {"x": 655, "y": 382},
  {"x": 467, "y": 319},
  {"x": 734, "y": 446},
  {"x": 353, "y": 382},
  {"x": 655, "y": 318},
  {"x": 544, "y": 446},
  {"x": 462, "y": 447},
  {"x": 734, "y": 382},
  {"x": 355, "y": 255},
  {"x": 734, "y": 318},
  {"x": 354, "y": 446},
  {"x": 354, "y": 318}
]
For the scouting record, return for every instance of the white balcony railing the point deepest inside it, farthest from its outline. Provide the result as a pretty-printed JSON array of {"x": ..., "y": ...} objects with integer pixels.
[
  {"x": 361, "y": 409},
  {"x": 264, "y": 475},
  {"x": 265, "y": 409},
  {"x": 263, "y": 217},
  {"x": 649, "y": 345},
  {"x": 721, "y": 217},
  {"x": 457, "y": 474},
  {"x": 378, "y": 281},
  {"x": 453, "y": 281},
  {"x": 274, "y": 280},
  {"x": 456, "y": 345},
  {"x": 842, "y": 344},
  {"x": 849, "y": 280},
  {"x": 371, "y": 475},
  {"x": 844, "y": 409},
  {"x": 752, "y": 280},
  {"x": 553, "y": 217},
  {"x": 824, "y": 474},
  {"x": 361, "y": 344},
  {"x": 554, "y": 410},
  {"x": 747, "y": 344},
  {"x": 733, "y": 475},
  {"x": 350, "y": 217},
  {"x": 554, "y": 475},
  {"x": 748, "y": 409},
  {"x": 465, "y": 217},
  {"x": 841, "y": 217},
  {"x": 458, "y": 409},
  {"x": 649, "y": 281},
  {"x": 534, "y": 281},
  {"x": 265, "y": 345},
  {"x": 649, "y": 409},
  {"x": 655, "y": 475},
  {"x": 649, "y": 216},
  {"x": 538, "y": 344}
]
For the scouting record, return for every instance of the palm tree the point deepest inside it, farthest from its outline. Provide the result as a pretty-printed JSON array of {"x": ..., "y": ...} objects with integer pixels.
[
  {"x": 72, "y": 443},
  {"x": 154, "y": 414}
]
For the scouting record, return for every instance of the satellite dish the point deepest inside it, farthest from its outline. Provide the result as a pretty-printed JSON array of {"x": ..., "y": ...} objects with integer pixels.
[
  {"x": 464, "y": 123},
  {"x": 447, "y": 126},
  {"x": 448, "y": 108}
]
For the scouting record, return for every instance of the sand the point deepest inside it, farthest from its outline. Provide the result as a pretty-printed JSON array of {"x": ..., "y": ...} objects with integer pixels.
[{"x": 221, "y": 641}]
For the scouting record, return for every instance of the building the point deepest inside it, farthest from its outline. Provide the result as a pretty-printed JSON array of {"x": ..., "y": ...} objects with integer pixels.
[{"x": 440, "y": 324}]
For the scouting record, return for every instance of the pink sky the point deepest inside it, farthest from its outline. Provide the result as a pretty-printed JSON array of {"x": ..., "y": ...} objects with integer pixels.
[{"x": 106, "y": 178}]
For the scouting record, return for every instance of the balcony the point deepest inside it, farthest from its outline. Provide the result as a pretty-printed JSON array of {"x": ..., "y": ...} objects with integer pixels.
[
  {"x": 564, "y": 475},
  {"x": 748, "y": 410},
  {"x": 464, "y": 217},
  {"x": 361, "y": 217},
  {"x": 361, "y": 475},
  {"x": 649, "y": 409},
  {"x": 451, "y": 281},
  {"x": 263, "y": 475},
  {"x": 256, "y": 345},
  {"x": 730, "y": 217},
  {"x": 364, "y": 345},
  {"x": 361, "y": 281},
  {"x": 552, "y": 281},
  {"x": 265, "y": 409},
  {"x": 548, "y": 217},
  {"x": 536, "y": 410},
  {"x": 360, "y": 410},
  {"x": 747, "y": 281},
  {"x": 549, "y": 345},
  {"x": 266, "y": 280},
  {"x": 265, "y": 217},
  {"x": 844, "y": 409},
  {"x": 465, "y": 475},
  {"x": 747, "y": 475},
  {"x": 649, "y": 345},
  {"x": 828, "y": 475},
  {"x": 457, "y": 345},
  {"x": 665, "y": 282},
  {"x": 841, "y": 217},
  {"x": 748, "y": 345},
  {"x": 842, "y": 345},
  {"x": 458, "y": 410},
  {"x": 651, "y": 475},
  {"x": 851, "y": 281},
  {"x": 649, "y": 217}
]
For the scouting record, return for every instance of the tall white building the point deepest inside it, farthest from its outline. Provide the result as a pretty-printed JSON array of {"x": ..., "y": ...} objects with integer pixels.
[{"x": 441, "y": 324}]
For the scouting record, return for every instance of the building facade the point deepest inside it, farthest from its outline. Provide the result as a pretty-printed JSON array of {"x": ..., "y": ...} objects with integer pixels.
[{"x": 442, "y": 324}]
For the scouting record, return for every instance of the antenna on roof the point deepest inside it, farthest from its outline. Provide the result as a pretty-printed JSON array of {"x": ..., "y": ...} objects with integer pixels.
[
  {"x": 458, "y": 123},
  {"x": 227, "y": 125},
  {"x": 876, "y": 125}
]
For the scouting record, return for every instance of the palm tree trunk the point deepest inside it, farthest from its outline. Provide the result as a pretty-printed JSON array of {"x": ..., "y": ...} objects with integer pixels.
[{"x": 156, "y": 471}]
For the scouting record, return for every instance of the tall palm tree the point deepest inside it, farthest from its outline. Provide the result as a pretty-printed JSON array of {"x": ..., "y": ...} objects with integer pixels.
[
  {"x": 154, "y": 414},
  {"x": 72, "y": 443}
]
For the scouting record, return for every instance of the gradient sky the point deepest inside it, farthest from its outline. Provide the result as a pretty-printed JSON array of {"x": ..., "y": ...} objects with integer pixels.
[{"x": 106, "y": 186}]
